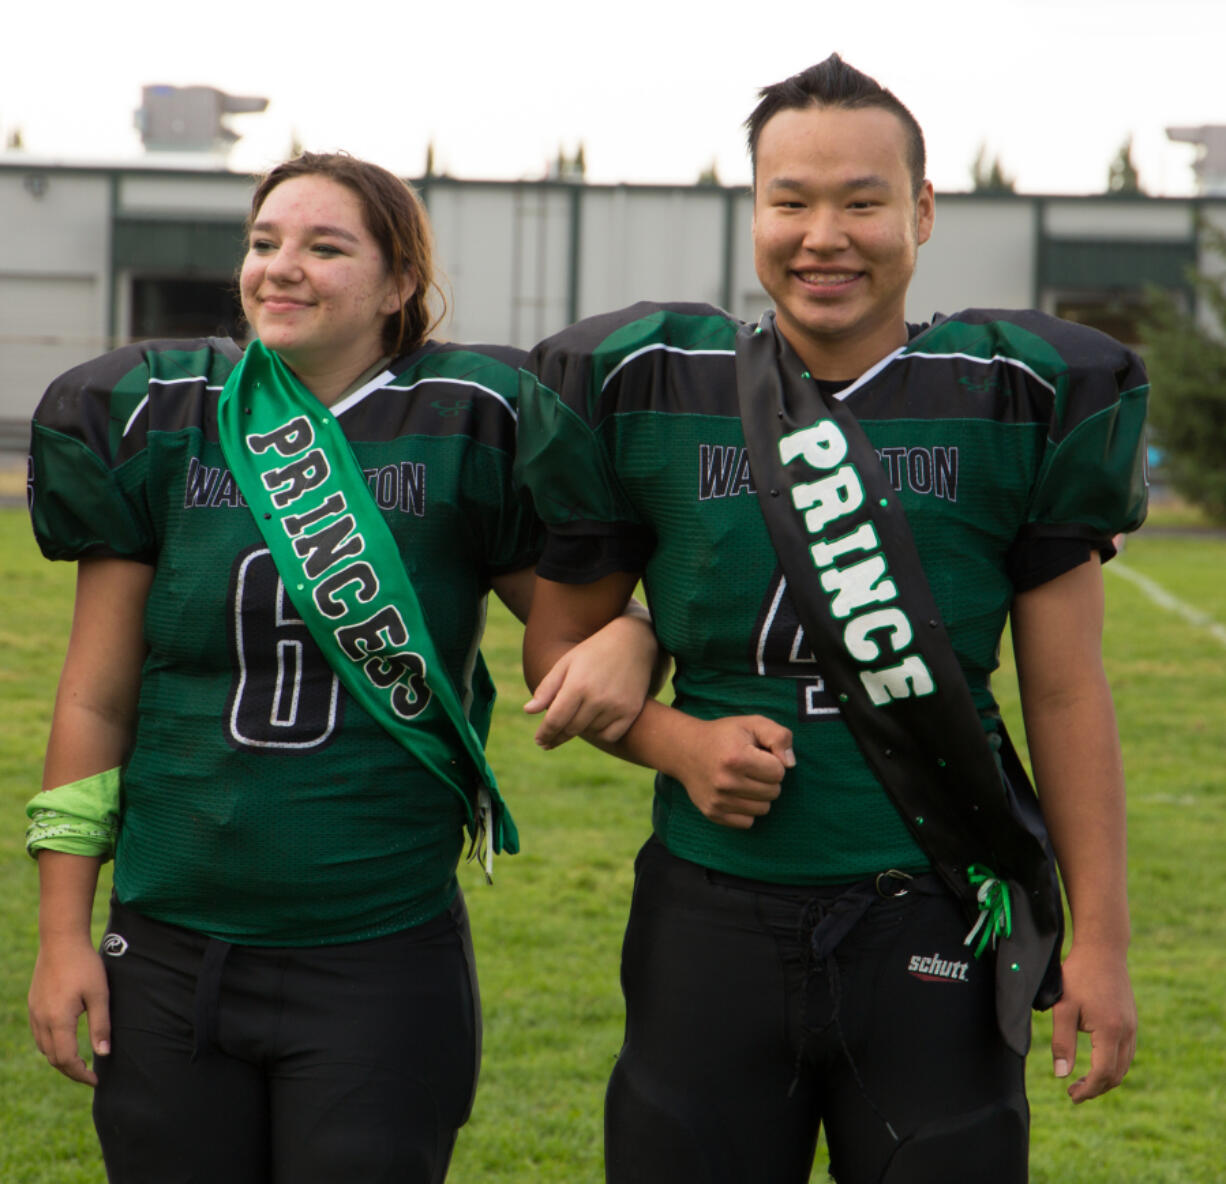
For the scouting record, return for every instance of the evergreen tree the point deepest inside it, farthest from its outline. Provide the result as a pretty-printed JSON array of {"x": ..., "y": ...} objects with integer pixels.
[
  {"x": 571, "y": 168},
  {"x": 1187, "y": 367},
  {"x": 989, "y": 176},
  {"x": 1122, "y": 177}
]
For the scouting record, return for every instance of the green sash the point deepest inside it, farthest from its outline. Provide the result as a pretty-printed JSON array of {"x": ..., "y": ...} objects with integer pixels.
[{"x": 343, "y": 572}]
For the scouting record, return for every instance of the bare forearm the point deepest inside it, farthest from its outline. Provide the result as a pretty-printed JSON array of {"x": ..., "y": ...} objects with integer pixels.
[
  {"x": 66, "y": 886},
  {"x": 658, "y": 739},
  {"x": 1074, "y": 748},
  {"x": 543, "y": 649},
  {"x": 732, "y": 768}
]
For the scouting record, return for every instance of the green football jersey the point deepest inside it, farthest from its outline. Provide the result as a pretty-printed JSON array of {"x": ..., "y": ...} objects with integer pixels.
[
  {"x": 1000, "y": 432},
  {"x": 260, "y": 804}
]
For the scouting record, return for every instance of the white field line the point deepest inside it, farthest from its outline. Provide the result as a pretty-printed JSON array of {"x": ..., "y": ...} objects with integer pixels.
[{"x": 1161, "y": 597}]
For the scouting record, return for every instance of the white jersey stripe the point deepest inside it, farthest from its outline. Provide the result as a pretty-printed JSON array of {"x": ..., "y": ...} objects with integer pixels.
[
  {"x": 383, "y": 380},
  {"x": 672, "y": 349},
  {"x": 193, "y": 378},
  {"x": 987, "y": 362}
]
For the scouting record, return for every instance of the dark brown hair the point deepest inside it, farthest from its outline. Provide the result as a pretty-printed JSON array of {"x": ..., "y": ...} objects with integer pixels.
[
  {"x": 833, "y": 83},
  {"x": 396, "y": 220}
]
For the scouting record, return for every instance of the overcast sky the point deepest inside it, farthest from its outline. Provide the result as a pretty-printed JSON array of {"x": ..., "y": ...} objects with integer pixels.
[{"x": 655, "y": 89}]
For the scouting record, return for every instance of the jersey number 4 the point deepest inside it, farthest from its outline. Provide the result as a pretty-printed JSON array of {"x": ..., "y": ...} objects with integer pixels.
[{"x": 781, "y": 651}]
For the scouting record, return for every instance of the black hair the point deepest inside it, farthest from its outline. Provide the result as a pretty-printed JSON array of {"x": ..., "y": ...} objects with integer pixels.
[{"x": 833, "y": 83}]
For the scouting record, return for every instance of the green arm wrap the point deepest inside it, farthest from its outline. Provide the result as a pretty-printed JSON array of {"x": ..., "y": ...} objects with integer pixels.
[{"x": 80, "y": 818}]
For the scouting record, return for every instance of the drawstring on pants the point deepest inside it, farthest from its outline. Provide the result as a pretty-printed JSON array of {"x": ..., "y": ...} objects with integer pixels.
[
  {"x": 208, "y": 995},
  {"x": 834, "y": 922}
]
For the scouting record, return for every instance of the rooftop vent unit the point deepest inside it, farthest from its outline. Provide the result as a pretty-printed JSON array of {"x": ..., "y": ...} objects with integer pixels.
[{"x": 191, "y": 118}]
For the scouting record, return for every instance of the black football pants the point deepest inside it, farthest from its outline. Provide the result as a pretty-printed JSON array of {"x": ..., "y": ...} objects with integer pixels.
[
  {"x": 244, "y": 1065},
  {"x": 742, "y": 1038}
]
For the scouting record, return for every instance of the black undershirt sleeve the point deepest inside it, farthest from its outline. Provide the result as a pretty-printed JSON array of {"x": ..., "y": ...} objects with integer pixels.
[
  {"x": 1036, "y": 560},
  {"x": 585, "y": 558}
]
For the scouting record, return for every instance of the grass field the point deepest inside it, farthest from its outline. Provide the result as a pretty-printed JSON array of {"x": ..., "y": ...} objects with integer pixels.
[{"x": 548, "y": 932}]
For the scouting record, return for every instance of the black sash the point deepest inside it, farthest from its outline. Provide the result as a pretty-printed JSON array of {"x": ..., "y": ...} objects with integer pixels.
[{"x": 859, "y": 588}]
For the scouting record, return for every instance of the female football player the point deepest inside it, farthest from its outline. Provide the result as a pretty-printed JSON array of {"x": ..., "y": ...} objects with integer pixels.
[{"x": 273, "y": 707}]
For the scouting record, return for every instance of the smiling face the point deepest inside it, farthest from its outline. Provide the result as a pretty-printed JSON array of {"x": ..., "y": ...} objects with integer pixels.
[
  {"x": 836, "y": 229},
  {"x": 314, "y": 284}
]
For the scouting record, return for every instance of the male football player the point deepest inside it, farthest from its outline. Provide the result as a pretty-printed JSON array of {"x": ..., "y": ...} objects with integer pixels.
[{"x": 848, "y": 904}]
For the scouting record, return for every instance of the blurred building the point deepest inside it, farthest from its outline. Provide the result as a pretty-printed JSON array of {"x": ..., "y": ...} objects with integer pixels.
[
  {"x": 91, "y": 257},
  {"x": 1209, "y": 167}
]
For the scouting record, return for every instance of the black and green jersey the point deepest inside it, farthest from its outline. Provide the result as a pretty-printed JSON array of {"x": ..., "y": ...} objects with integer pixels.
[
  {"x": 1001, "y": 432},
  {"x": 260, "y": 803}
]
